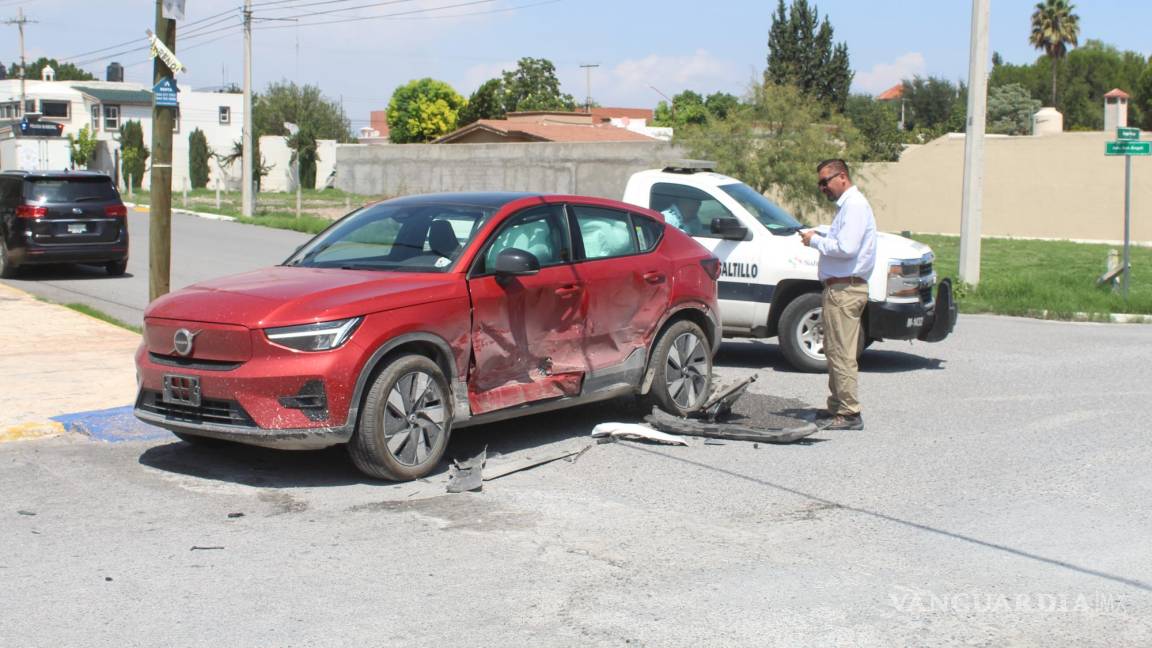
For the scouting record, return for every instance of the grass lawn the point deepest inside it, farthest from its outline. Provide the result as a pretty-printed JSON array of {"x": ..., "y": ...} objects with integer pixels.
[
  {"x": 1020, "y": 277},
  {"x": 318, "y": 208}
]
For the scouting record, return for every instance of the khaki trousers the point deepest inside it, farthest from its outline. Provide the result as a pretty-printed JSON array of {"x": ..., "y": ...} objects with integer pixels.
[{"x": 843, "y": 307}]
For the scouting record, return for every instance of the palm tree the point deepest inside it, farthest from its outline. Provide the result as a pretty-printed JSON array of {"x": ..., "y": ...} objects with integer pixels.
[{"x": 1054, "y": 28}]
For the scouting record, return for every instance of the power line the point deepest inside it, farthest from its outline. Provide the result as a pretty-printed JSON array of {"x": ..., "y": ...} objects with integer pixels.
[{"x": 137, "y": 40}]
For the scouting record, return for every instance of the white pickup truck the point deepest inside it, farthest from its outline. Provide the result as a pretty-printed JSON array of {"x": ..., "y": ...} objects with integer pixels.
[{"x": 768, "y": 283}]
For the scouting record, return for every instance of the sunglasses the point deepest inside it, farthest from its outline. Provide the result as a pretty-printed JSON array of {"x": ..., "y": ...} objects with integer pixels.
[{"x": 824, "y": 181}]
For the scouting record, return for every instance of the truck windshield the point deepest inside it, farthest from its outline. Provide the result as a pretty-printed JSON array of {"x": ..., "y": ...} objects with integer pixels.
[{"x": 767, "y": 212}]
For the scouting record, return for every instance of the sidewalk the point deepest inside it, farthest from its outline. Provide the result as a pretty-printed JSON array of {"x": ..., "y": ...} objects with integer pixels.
[{"x": 61, "y": 370}]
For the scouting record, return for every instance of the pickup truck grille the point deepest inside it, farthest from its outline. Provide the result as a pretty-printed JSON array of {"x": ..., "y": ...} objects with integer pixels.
[
  {"x": 925, "y": 269},
  {"x": 219, "y": 412}
]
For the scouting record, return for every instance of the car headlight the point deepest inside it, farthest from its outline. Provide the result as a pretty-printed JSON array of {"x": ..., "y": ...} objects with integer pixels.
[
  {"x": 321, "y": 336},
  {"x": 904, "y": 278}
]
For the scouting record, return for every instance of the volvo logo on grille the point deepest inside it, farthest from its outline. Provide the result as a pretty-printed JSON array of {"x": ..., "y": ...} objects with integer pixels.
[{"x": 182, "y": 341}]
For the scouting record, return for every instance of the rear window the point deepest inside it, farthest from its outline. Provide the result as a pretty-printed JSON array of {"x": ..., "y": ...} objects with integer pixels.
[{"x": 68, "y": 190}]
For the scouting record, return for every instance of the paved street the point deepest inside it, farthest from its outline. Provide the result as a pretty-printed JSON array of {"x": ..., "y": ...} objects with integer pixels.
[{"x": 1000, "y": 495}]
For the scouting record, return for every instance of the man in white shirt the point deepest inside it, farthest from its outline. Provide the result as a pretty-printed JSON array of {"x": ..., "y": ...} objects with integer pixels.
[{"x": 847, "y": 256}]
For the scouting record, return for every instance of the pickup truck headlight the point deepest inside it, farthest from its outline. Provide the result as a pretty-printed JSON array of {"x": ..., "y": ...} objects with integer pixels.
[
  {"x": 322, "y": 336},
  {"x": 904, "y": 278}
]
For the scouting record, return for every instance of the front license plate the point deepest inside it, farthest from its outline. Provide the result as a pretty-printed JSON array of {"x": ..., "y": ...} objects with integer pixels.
[
  {"x": 181, "y": 390},
  {"x": 77, "y": 228}
]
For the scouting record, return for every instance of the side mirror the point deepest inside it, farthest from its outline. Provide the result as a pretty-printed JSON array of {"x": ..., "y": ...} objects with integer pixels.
[
  {"x": 515, "y": 262},
  {"x": 729, "y": 229}
]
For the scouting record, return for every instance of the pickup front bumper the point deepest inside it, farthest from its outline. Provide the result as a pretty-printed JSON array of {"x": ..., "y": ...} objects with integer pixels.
[{"x": 916, "y": 320}]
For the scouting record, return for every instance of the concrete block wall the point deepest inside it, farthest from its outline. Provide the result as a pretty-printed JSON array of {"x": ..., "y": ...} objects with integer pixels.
[{"x": 594, "y": 169}]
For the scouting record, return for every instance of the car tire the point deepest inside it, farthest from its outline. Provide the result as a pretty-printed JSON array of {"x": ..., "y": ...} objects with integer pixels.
[
  {"x": 8, "y": 270},
  {"x": 116, "y": 268},
  {"x": 681, "y": 363},
  {"x": 802, "y": 334},
  {"x": 405, "y": 421}
]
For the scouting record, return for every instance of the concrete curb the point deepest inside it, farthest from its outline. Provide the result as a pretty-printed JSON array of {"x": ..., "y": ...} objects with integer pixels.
[
  {"x": 1097, "y": 318},
  {"x": 188, "y": 212}
]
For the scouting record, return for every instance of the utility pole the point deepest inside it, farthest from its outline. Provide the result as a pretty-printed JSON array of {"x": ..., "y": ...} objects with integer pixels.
[
  {"x": 246, "y": 177},
  {"x": 970, "y": 210},
  {"x": 20, "y": 21},
  {"x": 160, "y": 207},
  {"x": 588, "y": 84}
]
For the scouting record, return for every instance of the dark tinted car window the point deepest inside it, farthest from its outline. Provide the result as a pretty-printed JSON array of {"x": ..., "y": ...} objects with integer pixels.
[
  {"x": 648, "y": 232},
  {"x": 67, "y": 190}
]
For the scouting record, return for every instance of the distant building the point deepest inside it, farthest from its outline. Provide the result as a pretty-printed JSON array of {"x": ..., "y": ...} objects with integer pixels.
[
  {"x": 376, "y": 132},
  {"x": 895, "y": 93},
  {"x": 103, "y": 106},
  {"x": 544, "y": 126}
]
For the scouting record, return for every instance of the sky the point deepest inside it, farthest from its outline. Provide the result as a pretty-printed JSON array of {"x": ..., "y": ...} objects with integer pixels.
[{"x": 645, "y": 50}]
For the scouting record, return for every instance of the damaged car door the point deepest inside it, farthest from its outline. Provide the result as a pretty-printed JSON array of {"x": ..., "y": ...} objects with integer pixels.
[{"x": 528, "y": 314}]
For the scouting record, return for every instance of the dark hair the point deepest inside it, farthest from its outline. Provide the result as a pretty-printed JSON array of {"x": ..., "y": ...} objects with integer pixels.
[{"x": 838, "y": 166}]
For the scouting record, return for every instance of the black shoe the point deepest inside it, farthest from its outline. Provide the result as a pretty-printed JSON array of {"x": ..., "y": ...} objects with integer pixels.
[{"x": 842, "y": 422}]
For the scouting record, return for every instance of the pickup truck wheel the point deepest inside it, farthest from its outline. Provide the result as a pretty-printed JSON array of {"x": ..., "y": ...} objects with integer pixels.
[
  {"x": 802, "y": 334},
  {"x": 8, "y": 270},
  {"x": 405, "y": 422},
  {"x": 682, "y": 366}
]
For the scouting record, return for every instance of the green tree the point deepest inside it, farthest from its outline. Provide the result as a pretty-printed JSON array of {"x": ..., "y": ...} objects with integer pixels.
[
  {"x": 877, "y": 122},
  {"x": 801, "y": 52},
  {"x": 1054, "y": 28},
  {"x": 533, "y": 86},
  {"x": 422, "y": 110},
  {"x": 1010, "y": 110},
  {"x": 1143, "y": 98},
  {"x": 133, "y": 153},
  {"x": 721, "y": 104},
  {"x": 934, "y": 105},
  {"x": 317, "y": 117},
  {"x": 64, "y": 71},
  {"x": 198, "y": 154},
  {"x": 773, "y": 142},
  {"x": 83, "y": 147},
  {"x": 485, "y": 103},
  {"x": 690, "y": 108}
]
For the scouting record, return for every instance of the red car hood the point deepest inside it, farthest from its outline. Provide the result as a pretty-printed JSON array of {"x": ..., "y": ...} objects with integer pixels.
[{"x": 283, "y": 295}]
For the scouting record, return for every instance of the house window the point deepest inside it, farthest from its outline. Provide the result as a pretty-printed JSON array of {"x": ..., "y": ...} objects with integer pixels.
[
  {"x": 225, "y": 115},
  {"x": 29, "y": 105},
  {"x": 95, "y": 118},
  {"x": 9, "y": 110},
  {"x": 111, "y": 117},
  {"x": 176, "y": 120},
  {"x": 57, "y": 109}
]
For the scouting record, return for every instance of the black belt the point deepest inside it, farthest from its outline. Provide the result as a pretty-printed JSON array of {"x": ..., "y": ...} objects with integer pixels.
[{"x": 832, "y": 281}]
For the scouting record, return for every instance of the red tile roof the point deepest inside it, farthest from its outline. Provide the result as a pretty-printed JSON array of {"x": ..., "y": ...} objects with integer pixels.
[
  {"x": 604, "y": 114},
  {"x": 895, "y": 92},
  {"x": 1116, "y": 93}
]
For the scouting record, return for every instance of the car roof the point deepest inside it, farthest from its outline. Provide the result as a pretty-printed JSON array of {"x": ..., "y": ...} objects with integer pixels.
[
  {"x": 56, "y": 175},
  {"x": 488, "y": 199}
]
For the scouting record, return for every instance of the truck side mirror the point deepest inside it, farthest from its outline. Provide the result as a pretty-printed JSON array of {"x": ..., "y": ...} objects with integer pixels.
[{"x": 729, "y": 229}]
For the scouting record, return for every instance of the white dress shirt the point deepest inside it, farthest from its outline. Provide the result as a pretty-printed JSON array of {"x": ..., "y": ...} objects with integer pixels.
[{"x": 849, "y": 247}]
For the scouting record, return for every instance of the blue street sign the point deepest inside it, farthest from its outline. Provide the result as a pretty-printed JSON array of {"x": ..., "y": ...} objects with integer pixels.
[{"x": 165, "y": 93}]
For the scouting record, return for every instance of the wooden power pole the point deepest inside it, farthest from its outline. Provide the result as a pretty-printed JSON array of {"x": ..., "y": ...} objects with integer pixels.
[{"x": 160, "y": 211}]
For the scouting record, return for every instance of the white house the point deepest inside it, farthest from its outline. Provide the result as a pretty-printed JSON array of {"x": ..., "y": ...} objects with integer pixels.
[{"x": 104, "y": 106}]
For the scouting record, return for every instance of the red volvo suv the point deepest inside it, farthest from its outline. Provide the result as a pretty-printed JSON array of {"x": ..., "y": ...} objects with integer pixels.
[{"x": 417, "y": 315}]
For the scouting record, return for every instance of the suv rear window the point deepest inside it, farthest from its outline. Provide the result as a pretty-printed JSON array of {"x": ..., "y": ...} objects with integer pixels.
[{"x": 68, "y": 190}]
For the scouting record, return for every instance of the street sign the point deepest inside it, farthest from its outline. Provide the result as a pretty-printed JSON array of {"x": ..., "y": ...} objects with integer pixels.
[
  {"x": 1128, "y": 148},
  {"x": 161, "y": 51},
  {"x": 164, "y": 93},
  {"x": 1127, "y": 134}
]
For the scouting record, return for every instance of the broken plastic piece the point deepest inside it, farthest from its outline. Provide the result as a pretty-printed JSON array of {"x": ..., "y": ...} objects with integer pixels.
[
  {"x": 691, "y": 427},
  {"x": 719, "y": 405},
  {"x": 468, "y": 475},
  {"x": 635, "y": 431}
]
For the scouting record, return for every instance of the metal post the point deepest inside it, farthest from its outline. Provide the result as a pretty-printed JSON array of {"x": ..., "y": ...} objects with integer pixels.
[
  {"x": 247, "y": 182},
  {"x": 20, "y": 21},
  {"x": 298, "y": 183},
  {"x": 160, "y": 204},
  {"x": 970, "y": 214},
  {"x": 1127, "y": 222}
]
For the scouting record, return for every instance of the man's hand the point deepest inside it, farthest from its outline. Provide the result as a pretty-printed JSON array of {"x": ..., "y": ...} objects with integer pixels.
[{"x": 806, "y": 236}]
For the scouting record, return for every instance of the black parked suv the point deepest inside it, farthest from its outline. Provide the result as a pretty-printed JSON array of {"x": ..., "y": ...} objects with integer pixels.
[{"x": 61, "y": 217}]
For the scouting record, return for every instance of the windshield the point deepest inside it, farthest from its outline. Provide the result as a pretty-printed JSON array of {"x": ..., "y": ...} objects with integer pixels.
[
  {"x": 767, "y": 212},
  {"x": 68, "y": 190},
  {"x": 408, "y": 238}
]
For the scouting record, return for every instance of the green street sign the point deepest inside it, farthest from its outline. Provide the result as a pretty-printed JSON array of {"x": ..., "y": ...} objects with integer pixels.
[
  {"x": 1128, "y": 148},
  {"x": 1127, "y": 134}
]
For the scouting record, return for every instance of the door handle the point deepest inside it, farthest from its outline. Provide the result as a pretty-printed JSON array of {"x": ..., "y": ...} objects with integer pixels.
[
  {"x": 654, "y": 277},
  {"x": 570, "y": 289}
]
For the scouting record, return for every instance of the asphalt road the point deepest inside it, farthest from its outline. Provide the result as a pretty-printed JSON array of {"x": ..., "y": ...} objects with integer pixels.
[
  {"x": 201, "y": 249},
  {"x": 1000, "y": 495}
]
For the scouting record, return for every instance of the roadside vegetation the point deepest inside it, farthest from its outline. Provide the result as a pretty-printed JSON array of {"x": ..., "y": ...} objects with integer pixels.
[
  {"x": 101, "y": 315},
  {"x": 1050, "y": 279}
]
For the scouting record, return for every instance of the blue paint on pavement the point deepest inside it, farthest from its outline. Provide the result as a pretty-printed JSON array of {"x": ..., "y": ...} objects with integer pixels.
[{"x": 112, "y": 425}]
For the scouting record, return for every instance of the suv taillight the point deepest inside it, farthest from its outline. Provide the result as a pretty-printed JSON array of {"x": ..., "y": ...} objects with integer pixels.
[
  {"x": 31, "y": 211},
  {"x": 712, "y": 267},
  {"x": 116, "y": 210}
]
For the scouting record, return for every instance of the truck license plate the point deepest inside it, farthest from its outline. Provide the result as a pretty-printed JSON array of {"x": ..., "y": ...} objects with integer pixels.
[
  {"x": 181, "y": 390},
  {"x": 77, "y": 228},
  {"x": 915, "y": 321}
]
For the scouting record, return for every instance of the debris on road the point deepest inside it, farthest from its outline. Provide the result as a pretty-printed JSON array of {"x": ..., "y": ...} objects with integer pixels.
[
  {"x": 732, "y": 431},
  {"x": 634, "y": 432},
  {"x": 468, "y": 475},
  {"x": 720, "y": 404},
  {"x": 198, "y": 548},
  {"x": 235, "y": 515},
  {"x": 26, "y": 512}
]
